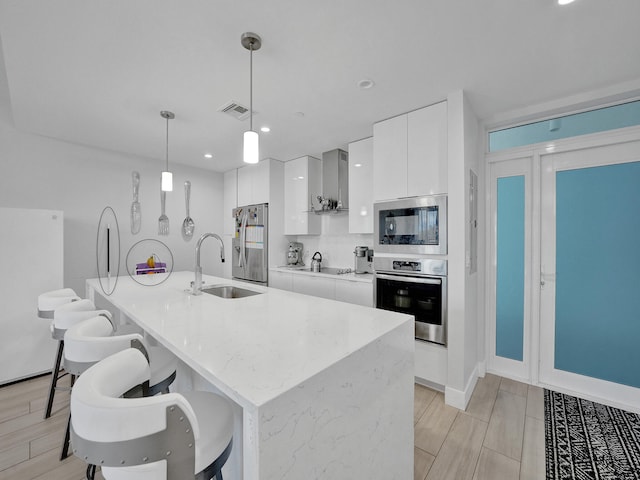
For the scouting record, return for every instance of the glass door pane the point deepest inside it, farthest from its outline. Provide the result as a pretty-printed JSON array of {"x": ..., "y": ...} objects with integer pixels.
[
  {"x": 597, "y": 326},
  {"x": 510, "y": 267}
]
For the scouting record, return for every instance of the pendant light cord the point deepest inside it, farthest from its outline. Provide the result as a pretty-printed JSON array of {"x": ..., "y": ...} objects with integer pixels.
[
  {"x": 251, "y": 86},
  {"x": 167, "y": 149}
]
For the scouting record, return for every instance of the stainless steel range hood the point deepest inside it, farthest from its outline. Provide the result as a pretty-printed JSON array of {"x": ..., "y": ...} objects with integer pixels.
[{"x": 335, "y": 183}]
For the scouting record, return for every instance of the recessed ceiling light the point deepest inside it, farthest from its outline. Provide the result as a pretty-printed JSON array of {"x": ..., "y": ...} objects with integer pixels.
[
  {"x": 366, "y": 83},
  {"x": 357, "y": 165},
  {"x": 565, "y": 2},
  {"x": 265, "y": 129},
  {"x": 208, "y": 155}
]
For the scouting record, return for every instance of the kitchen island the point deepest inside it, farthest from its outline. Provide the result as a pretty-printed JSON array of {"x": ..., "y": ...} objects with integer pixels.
[{"x": 322, "y": 389}]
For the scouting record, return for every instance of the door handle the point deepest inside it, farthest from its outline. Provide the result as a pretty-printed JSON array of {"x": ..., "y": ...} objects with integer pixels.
[
  {"x": 545, "y": 277},
  {"x": 242, "y": 261}
]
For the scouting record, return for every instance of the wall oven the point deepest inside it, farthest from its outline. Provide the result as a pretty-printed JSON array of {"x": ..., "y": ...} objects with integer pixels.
[
  {"x": 411, "y": 225},
  {"x": 418, "y": 287}
]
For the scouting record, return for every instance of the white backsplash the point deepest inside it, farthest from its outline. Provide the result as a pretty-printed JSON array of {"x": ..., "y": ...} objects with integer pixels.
[{"x": 335, "y": 244}]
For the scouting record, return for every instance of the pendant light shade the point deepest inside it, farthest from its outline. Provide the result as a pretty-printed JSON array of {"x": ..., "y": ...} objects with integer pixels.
[
  {"x": 251, "y": 151},
  {"x": 166, "y": 184},
  {"x": 251, "y": 147}
]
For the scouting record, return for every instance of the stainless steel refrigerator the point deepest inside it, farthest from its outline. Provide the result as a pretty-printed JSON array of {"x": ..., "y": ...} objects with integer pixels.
[{"x": 249, "y": 252}]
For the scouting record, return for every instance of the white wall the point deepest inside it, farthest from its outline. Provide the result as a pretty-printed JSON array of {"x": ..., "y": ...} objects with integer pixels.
[
  {"x": 472, "y": 317},
  {"x": 39, "y": 172},
  {"x": 462, "y": 287},
  {"x": 335, "y": 244}
]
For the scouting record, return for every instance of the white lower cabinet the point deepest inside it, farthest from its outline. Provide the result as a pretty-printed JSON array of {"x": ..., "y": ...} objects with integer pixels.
[
  {"x": 317, "y": 286},
  {"x": 342, "y": 290},
  {"x": 431, "y": 362},
  {"x": 360, "y": 293},
  {"x": 281, "y": 280}
]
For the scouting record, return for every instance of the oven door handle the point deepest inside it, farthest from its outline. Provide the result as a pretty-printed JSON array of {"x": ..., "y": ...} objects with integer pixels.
[{"x": 410, "y": 279}]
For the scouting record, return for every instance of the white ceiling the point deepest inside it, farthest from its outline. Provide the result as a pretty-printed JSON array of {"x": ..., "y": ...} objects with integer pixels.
[{"x": 99, "y": 72}]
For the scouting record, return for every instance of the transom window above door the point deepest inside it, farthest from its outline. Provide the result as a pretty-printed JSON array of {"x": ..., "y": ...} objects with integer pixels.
[{"x": 593, "y": 121}]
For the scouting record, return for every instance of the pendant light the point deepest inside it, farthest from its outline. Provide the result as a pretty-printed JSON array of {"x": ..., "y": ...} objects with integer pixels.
[
  {"x": 167, "y": 176},
  {"x": 251, "y": 153}
]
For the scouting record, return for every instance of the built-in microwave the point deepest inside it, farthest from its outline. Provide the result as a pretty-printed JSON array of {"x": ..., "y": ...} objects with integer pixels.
[{"x": 411, "y": 225}]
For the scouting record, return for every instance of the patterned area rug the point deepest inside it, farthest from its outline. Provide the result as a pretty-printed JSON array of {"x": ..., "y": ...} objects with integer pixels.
[{"x": 586, "y": 440}]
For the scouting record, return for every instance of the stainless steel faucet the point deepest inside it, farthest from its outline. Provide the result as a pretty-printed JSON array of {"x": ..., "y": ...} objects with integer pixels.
[{"x": 197, "y": 284}]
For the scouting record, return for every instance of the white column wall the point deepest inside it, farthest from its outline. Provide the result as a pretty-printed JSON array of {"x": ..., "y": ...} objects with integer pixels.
[
  {"x": 462, "y": 287},
  {"x": 472, "y": 320}
]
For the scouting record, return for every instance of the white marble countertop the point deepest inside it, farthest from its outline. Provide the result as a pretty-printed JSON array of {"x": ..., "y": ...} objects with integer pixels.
[
  {"x": 253, "y": 348},
  {"x": 349, "y": 277}
]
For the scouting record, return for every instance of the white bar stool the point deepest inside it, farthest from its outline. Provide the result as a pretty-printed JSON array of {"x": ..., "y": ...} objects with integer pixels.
[
  {"x": 64, "y": 317},
  {"x": 90, "y": 341},
  {"x": 173, "y": 436},
  {"x": 47, "y": 303}
]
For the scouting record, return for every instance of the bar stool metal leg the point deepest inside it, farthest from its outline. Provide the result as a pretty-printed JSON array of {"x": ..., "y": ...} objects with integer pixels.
[
  {"x": 91, "y": 472},
  {"x": 67, "y": 437},
  {"x": 54, "y": 378}
]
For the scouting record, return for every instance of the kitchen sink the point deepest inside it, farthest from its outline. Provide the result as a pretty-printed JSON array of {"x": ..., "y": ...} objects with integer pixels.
[{"x": 229, "y": 291}]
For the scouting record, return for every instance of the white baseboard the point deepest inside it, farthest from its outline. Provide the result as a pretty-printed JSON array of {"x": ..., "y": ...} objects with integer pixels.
[
  {"x": 601, "y": 391},
  {"x": 458, "y": 398},
  {"x": 482, "y": 369},
  {"x": 428, "y": 383}
]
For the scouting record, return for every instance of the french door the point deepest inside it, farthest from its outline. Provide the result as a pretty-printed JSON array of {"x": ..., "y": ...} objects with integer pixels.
[
  {"x": 509, "y": 271},
  {"x": 563, "y": 267},
  {"x": 590, "y": 272}
]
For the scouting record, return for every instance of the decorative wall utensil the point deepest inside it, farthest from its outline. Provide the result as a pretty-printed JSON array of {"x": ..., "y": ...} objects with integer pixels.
[
  {"x": 163, "y": 220},
  {"x": 108, "y": 250},
  {"x": 135, "y": 206},
  {"x": 188, "y": 225}
]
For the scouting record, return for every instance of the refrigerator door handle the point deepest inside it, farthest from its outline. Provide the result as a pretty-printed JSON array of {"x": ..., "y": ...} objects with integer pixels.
[{"x": 242, "y": 261}]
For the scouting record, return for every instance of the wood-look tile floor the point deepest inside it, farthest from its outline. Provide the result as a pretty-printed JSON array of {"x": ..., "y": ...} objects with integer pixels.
[
  {"x": 30, "y": 445},
  {"x": 499, "y": 436}
]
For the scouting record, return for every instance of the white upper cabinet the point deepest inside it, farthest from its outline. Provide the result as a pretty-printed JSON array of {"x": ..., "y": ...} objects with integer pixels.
[
  {"x": 427, "y": 153},
  {"x": 361, "y": 186},
  {"x": 410, "y": 154},
  {"x": 302, "y": 182},
  {"x": 253, "y": 183},
  {"x": 229, "y": 200},
  {"x": 260, "y": 183},
  {"x": 390, "y": 158},
  {"x": 245, "y": 181}
]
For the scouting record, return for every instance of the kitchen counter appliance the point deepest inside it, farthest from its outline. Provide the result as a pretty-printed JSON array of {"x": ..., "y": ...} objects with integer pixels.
[
  {"x": 411, "y": 225},
  {"x": 294, "y": 254},
  {"x": 363, "y": 262},
  {"x": 316, "y": 262},
  {"x": 249, "y": 252},
  {"x": 417, "y": 286}
]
